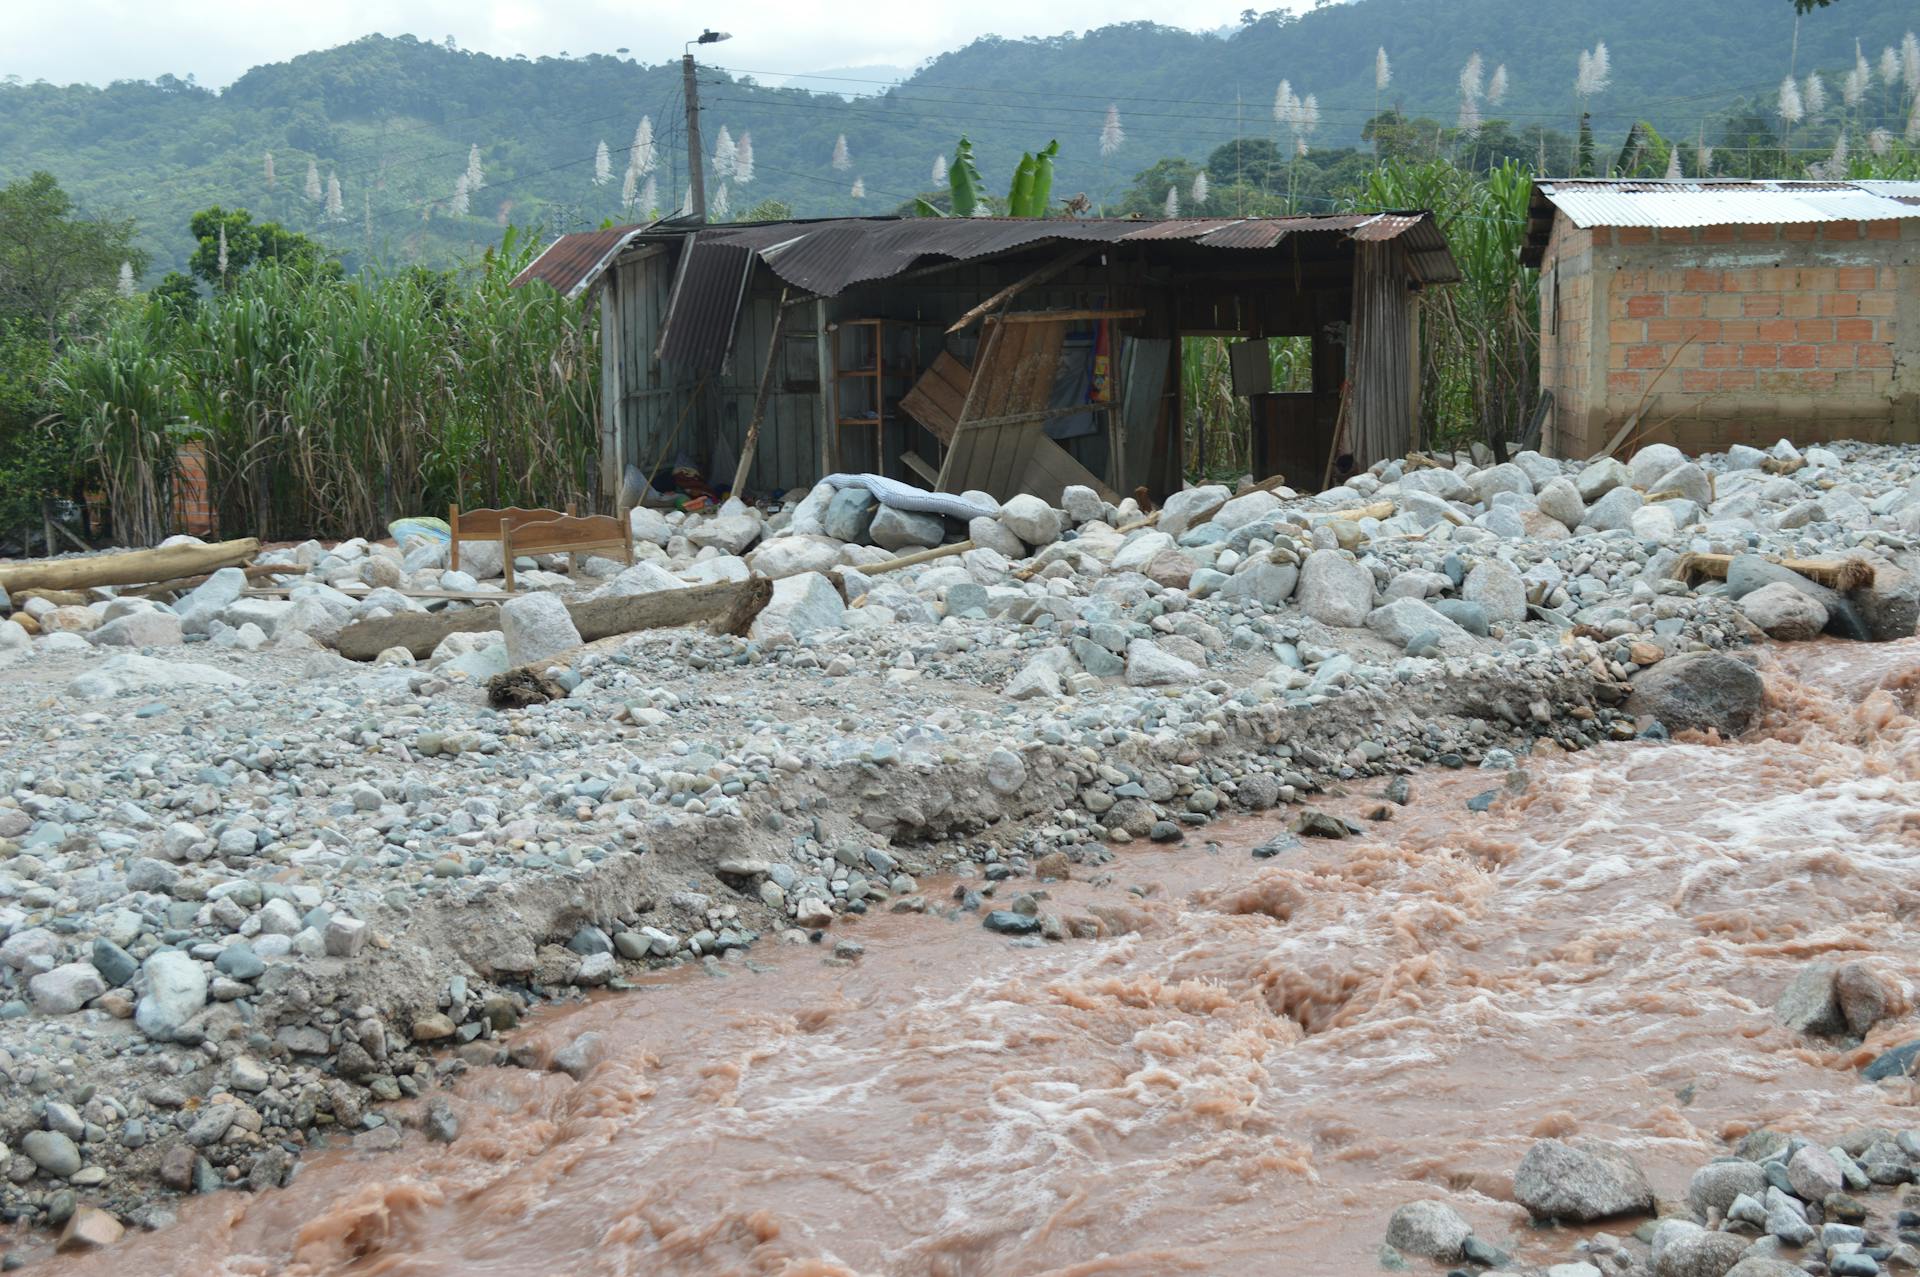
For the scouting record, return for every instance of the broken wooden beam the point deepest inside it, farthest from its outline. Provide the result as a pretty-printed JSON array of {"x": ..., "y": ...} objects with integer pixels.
[
  {"x": 1066, "y": 261},
  {"x": 727, "y": 607},
  {"x": 133, "y": 567}
]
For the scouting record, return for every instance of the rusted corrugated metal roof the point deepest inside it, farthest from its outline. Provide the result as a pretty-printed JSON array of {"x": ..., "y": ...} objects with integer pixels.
[
  {"x": 1720, "y": 202},
  {"x": 574, "y": 261},
  {"x": 826, "y": 257}
]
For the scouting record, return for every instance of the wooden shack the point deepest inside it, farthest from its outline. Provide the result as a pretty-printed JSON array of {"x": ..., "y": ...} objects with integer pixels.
[{"x": 995, "y": 354}]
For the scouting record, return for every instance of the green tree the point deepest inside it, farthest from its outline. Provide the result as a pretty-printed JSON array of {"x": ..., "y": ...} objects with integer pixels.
[
  {"x": 36, "y": 454},
  {"x": 58, "y": 269},
  {"x": 249, "y": 242}
]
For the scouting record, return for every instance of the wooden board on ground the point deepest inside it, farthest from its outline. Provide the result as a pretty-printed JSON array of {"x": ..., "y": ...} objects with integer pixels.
[
  {"x": 135, "y": 567},
  {"x": 728, "y": 607},
  {"x": 1836, "y": 574}
]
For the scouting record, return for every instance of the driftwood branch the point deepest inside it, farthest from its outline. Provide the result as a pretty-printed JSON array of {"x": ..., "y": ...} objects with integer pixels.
[{"x": 134, "y": 567}]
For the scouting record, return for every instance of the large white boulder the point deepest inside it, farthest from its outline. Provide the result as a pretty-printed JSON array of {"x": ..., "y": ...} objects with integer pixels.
[
  {"x": 1784, "y": 612},
  {"x": 730, "y": 534},
  {"x": 640, "y": 578},
  {"x": 1031, "y": 519},
  {"x": 793, "y": 554},
  {"x": 1180, "y": 509},
  {"x": 132, "y": 672},
  {"x": 1651, "y": 462},
  {"x": 807, "y": 515},
  {"x": 1335, "y": 589},
  {"x": 801, "y": 605},
  {"x": 209, "y": 599},
  {"x": 536, "y": 626},
  {"x": 1499, "y": 591},
  {"x": 904, "y": 531},
  {"x": 152, "y": 628},
  {"x": 176, "y": 992}
]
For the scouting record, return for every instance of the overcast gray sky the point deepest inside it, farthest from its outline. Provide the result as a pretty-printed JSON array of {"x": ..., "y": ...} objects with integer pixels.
[{"x": 95, "y": 41}]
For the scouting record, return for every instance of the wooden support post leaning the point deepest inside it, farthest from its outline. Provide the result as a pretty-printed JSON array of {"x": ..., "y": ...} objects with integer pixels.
[
  {"x": 506, "y": 552},
  {"x": 752, "y": 440}
]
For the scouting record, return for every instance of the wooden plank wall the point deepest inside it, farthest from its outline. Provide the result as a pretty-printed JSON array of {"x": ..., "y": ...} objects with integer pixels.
[
  {"x": 652, "y": 400},
  {"x": 636, "y": 389},
  {"x": 789, "y": 449}
]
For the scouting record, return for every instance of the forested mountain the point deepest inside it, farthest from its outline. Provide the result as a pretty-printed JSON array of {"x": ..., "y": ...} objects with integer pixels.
[{"x": 392, "y": 120}]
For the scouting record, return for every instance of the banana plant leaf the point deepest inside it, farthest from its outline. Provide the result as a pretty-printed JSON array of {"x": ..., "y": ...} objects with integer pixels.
[
  {"x": 1020, "y": 194},
  {"x": 963, "y": 180},
  {"x": 1043, "y": 179}
]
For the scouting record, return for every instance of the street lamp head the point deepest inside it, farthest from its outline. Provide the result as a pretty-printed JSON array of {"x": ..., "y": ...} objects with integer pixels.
[{"x": 713, "y": 37}]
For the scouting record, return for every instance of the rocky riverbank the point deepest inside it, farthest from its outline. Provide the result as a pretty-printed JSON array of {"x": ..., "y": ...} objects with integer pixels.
[
  {"x": 251, "y": 892},
  {"x": 1777, "y": 1205}
]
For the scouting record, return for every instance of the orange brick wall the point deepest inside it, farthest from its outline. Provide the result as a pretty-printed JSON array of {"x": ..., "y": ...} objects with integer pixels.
[
  {"x": 192, "y": 502},
  {"x": 1739, "y": 334},
  {"x": 1566, "y": 335}
]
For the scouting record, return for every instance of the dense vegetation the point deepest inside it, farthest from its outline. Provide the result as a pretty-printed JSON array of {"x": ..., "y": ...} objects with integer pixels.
[
  {"x": 393, "y": 120},
  {"x": 329, "y": 406}
]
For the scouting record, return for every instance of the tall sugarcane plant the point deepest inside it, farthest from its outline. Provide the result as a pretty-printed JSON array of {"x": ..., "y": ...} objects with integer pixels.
[{"x": 329, "y": 407}]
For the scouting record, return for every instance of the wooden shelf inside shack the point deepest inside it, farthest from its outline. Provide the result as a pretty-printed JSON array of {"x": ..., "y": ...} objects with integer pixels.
[{"x": 878, "y": 367}]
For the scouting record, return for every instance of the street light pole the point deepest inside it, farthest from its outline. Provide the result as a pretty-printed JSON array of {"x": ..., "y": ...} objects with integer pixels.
[{"x": 696, "y": 178}]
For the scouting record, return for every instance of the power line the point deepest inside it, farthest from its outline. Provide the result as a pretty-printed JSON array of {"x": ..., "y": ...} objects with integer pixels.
[
  {"x": 1025, "y": 92},
  {"x": 937, "y": 119}
]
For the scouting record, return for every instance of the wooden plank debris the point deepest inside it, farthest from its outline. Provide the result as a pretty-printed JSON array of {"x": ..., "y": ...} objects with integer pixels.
[{"x": 1836, "y": 574}]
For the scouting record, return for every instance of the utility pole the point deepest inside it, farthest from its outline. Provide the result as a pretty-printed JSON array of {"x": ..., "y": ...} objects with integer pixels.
[{"x": 694, "y": 176}]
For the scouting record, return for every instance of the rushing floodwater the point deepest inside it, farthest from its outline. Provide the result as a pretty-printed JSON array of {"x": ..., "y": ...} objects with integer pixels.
[{"x": 1248, "y": 1081}]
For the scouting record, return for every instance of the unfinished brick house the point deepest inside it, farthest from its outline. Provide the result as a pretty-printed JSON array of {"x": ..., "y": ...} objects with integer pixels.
[{"x": 1710, "y": 313}]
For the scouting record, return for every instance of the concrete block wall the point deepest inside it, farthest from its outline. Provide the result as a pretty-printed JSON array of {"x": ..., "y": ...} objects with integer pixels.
[{"x": 1745, "y": 334}]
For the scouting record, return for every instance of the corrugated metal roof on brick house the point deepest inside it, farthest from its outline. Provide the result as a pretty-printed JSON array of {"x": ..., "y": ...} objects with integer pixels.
[
  {"x": 828, "y": 256},
  {"x": 1680, "y": 204}
]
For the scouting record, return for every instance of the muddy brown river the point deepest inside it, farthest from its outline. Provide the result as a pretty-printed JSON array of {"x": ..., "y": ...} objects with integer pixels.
[{"x": 1271, "y": 1056}]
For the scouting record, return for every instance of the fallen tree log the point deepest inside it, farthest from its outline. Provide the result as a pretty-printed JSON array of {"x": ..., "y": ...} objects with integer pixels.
[
  {"x": 727, "y": 607},
  {"x": 135, "y": 567}
]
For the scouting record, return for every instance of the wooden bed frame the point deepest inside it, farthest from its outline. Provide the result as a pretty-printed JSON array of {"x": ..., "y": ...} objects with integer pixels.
[
  {"x": 485, "y": 525},
  {"x": 538, "y": 531},
  {"x": 566, "y": 534}
]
